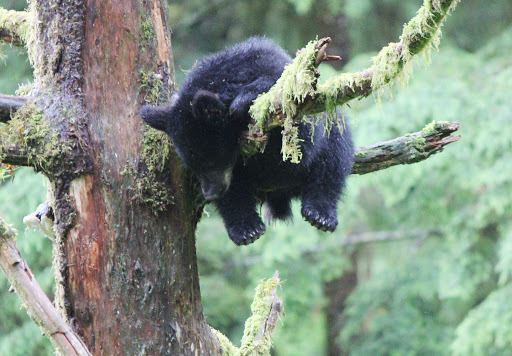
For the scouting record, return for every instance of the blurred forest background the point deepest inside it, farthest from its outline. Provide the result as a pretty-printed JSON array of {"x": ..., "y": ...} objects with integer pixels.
[{"x": 421, "y": 263}]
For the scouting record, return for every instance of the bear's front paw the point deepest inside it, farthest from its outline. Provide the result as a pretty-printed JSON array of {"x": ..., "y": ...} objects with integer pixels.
[
  {"x": 320, "y": 220},
  {"x": 246, "y": 234}
]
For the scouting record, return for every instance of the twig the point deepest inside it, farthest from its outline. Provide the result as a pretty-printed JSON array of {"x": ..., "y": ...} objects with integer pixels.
[
  {"x": 10, "y": 104},
  {"x": 407, "y": 149},
  {"x": 39, "y": 307}
]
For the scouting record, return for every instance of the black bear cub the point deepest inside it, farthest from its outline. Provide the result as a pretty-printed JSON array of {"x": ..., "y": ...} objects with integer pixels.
[{"x": 206, "y": 123}]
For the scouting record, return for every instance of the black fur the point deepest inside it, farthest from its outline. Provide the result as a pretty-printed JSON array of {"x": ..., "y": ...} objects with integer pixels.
[{"x": 206, "y": 122}]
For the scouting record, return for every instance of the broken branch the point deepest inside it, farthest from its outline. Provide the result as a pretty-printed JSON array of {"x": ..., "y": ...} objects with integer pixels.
[
  {"x": 39, "y": 307},
  {"x": 407, "y": 149},
  {"x": 9, "y": 105}
]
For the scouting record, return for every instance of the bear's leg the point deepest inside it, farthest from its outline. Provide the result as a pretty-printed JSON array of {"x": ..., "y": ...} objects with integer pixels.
[
  {"x": 319, "y": 203},
  {"x": 278, "y": 207},
  {"x": 323, "y": 187},
  {"x": 238, "y": 210}
]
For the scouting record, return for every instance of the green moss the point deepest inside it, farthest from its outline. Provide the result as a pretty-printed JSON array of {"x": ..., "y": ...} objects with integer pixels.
[
  {"x": 149, "y": 186},
  {"x": 29, "y": 133},
  {"x": 152, "y": 84},
  {"x": 6, "y": 230},
  {"x": 228, "y": 349},
  {"x": 147, "y": 30},
  {"x": 260, "y": 309},
  {"x": 297, "y": 82},
  {"x": 419, "y": 143},
  {"x": 430, "y": 128},
  {"x": 17, "y": 22}
]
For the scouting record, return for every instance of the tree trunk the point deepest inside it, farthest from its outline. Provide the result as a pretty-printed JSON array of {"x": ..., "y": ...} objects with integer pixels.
[
  {"x": 336, "y": 292},
  {"x": 125, "y": 210}
]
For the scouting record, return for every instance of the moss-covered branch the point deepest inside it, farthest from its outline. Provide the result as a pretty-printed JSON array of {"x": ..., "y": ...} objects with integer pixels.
[
  {"x": 265, "y": 309},
  {"x": 38, "y": 306},
  {"x": 27, "y": 140},
  {"x": 297, "y": 94},
  {"x": 407, "y": 149},
  {"x": 9, "y": 105},
  {"x": 14, "y": 26}
]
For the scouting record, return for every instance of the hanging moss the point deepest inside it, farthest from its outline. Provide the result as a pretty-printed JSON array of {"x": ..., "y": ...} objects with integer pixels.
[
  {"x": 297, "y": 82},
  {"x": 16, "y": 22},
  {"x": 392, "y": 65}
]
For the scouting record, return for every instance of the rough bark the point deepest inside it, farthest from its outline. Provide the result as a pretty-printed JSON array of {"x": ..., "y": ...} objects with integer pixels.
[{"x": 125, "y": 217}]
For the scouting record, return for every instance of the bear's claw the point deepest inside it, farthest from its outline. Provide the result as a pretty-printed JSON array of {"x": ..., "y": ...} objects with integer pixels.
[
  {"x": 324, "y": 222},
  {"x": 247, "y": 235}
]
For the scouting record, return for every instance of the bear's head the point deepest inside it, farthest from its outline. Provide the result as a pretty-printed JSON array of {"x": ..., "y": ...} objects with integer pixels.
[{"x": 205, "y": 137}]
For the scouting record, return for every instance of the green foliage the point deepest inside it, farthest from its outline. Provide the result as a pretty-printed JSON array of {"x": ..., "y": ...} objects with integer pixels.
[
  {"x": 465, "y": 191},
  {"x": 487, "y": 329}
]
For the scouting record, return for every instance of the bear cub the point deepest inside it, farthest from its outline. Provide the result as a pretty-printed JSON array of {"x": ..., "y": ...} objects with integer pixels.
[{"x": 206, "y": 122}]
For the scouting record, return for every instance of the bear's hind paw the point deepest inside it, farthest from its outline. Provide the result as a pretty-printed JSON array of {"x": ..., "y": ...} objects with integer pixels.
[
  {"x": 248, "y": 235},
  {"x": 324, "y": 222}
]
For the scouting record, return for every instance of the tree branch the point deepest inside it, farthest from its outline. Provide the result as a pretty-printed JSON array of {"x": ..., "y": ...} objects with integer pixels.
[
  {"x": 14, "y": 26},
  {"x": 9, "y": 105},
  {"x": 297, "y": 94},
  {"x": 407, "y": 149},
  {"x": 353, "y": 239},
  {"x": 265, "y": 309},
  {"x": 38, "y": 306}
]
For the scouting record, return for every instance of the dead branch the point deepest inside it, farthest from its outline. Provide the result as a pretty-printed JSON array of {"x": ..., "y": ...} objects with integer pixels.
[
  {"x": 407, "y": 149},
  {"x": 9, "y": 105},
  {"x": 38, "y": 306}
]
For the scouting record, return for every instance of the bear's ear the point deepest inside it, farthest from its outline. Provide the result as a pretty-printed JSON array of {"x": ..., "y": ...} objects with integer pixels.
[
  {"x": 207, "y": 106},
  {"x": 156, "y": 116}
]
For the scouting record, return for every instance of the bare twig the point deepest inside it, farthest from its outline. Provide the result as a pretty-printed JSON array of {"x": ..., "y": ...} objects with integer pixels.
[
  {"x": 39, "y": 307},
  {"x": 407, "y": 149},
  {"x": 9, "y": 104}
]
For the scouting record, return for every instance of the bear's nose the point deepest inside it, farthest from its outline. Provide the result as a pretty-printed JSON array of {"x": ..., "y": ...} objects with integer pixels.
[{"x": 212, "y": 192}]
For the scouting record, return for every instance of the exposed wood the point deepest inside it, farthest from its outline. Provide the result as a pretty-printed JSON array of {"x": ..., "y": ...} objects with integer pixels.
[
  {"x": 33, "y": 298},
  {"x": 9, "y": 104}
]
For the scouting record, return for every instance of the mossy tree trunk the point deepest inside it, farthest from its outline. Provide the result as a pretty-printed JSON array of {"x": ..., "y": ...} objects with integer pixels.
[{"x": 125, "y": 212}]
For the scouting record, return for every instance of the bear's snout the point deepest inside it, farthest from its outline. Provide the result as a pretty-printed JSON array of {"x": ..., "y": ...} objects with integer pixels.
[{"x": 215, "y": 183}]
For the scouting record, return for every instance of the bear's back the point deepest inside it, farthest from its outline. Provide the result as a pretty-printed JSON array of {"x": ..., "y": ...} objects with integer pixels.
[{"x": 226, "y": 72}]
